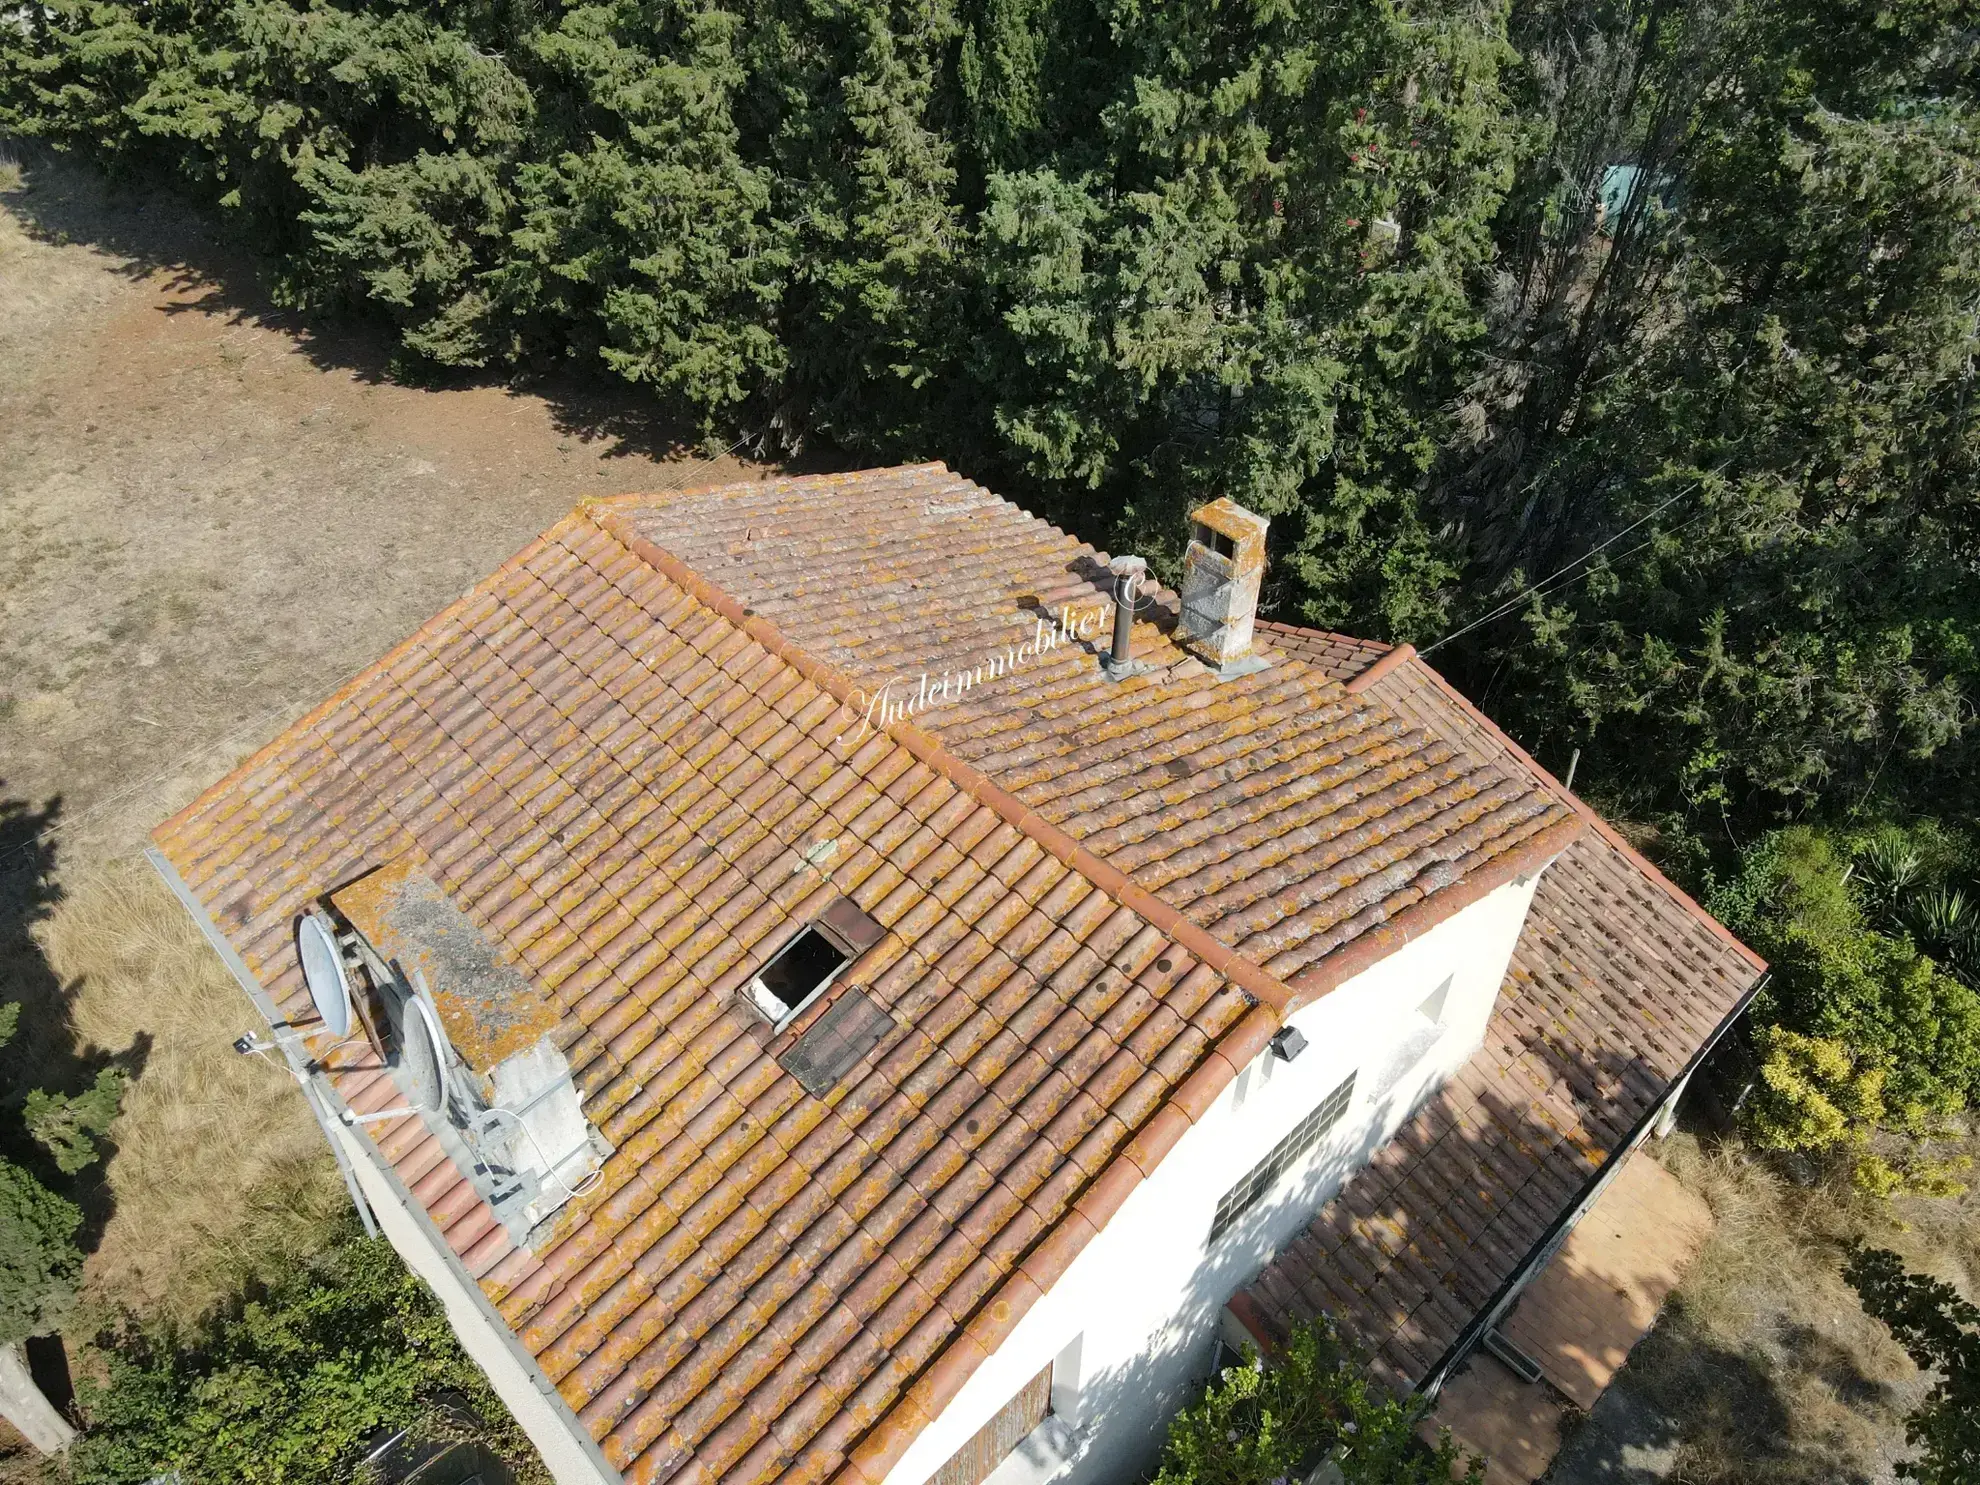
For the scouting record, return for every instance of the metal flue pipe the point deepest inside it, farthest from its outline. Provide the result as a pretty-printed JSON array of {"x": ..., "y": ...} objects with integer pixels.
[{"x": 1128, "y": 574}]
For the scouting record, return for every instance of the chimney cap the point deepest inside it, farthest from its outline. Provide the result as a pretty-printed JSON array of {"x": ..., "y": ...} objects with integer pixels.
[
  {"x": 1243, "y": 530},
  {"x": 1126, "y": 566},
  {"x": 1222, "y": 567}
]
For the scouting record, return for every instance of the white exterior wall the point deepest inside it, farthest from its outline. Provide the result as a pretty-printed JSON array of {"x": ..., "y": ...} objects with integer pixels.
[
  {"x": 1137, "y": 1312},
  {"x": 567, "y": 1453}
]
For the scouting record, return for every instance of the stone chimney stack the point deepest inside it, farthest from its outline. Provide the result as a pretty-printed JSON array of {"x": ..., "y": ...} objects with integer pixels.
[{"x": 1226, "y": 559}]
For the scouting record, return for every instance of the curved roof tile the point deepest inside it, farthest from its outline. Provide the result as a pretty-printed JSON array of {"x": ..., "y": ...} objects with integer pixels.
[{"x": 633, "y": 759}]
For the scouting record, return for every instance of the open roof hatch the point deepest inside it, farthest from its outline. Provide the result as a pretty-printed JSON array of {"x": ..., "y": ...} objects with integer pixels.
[
  {"x": 811, "y": 960},
  {"x": 794, "y": 978}
]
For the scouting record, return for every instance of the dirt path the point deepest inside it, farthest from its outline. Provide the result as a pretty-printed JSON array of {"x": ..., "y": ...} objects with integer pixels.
[{"x": 210, "y": 515}]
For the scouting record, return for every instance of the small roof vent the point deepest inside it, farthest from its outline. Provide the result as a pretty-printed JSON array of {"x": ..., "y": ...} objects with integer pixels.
[
  {"x": 1221, "y": 573},
  {"x": 1129, "y": 574}
]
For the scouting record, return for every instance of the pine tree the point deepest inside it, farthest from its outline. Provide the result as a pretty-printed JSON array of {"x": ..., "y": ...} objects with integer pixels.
[
  {"x": 40, "y": 1264},
  {"x": 1259, "y": 283},
  {"x": 643, "y": 232},
  {"x": 1779, "y": 432}
]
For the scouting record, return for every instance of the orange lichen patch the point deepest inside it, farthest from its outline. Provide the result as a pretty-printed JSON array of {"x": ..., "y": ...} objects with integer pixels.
[
  {"x": 1275, "y": 810},
  {"x": 1617, "y": 981},
  {"x": 489, "y": 1009},
  {"x": 637, "y": 760}
]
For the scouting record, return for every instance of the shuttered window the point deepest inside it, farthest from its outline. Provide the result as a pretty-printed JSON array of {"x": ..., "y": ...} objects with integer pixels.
[{"x": 973, "y": 1462}]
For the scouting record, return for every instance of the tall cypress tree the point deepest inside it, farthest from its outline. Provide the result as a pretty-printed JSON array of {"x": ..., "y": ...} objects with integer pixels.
[
  {"x": 1261, "y": 282},
  {"x": 1776, "y": 437}
]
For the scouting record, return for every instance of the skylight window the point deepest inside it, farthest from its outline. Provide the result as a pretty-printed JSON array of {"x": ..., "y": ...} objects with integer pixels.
[{"x": 799, "y": 973}]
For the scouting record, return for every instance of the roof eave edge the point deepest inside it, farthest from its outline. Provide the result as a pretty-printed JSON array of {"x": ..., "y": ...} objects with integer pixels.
[
  {"x": 1587, "y": 811},
  {"x": 1367, "y": 949}
]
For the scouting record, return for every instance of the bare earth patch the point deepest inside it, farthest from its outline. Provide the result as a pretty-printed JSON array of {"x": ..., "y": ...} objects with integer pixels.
[
  {"x": 213, "y": 514},
  {"x": 1763, "y": 1368}
]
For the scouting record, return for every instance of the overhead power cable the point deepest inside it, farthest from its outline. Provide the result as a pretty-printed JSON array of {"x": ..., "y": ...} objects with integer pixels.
[{"x": 1553, "y": 580}]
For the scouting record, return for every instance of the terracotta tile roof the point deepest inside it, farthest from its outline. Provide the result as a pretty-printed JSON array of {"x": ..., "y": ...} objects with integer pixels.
[
  {"x": 1339, "y": 656},
  {"x": 620, "y": 788},
  {"x": 1283, "y": 814},
  {"x": 634, "y": 785},
  {"x": 1617, "y": 981}
]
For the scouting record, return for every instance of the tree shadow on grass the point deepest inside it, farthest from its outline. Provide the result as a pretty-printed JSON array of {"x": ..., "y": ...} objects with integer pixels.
[
  {"x": 1731, "y": 1423},
  {"x": 1710, "y": 1414},
  {"x": 47, "y": 1050},
  {"x": 152, "y": 231}
]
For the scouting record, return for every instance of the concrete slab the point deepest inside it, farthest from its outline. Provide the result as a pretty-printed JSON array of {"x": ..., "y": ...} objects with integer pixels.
[
  {"x": 1603, "y": 1290},
  {"x": 1515, "y": 1425},
  {"x": 1579, "y": 1320},
  {"x": 1623, "y": 1442}
]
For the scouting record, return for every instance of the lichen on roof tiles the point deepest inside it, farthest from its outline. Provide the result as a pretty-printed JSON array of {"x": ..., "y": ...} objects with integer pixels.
[
  {"x": 1203, "y": 791},
  {"x": 1617, "y": 981},
  {"x": 634, "y": 759}
]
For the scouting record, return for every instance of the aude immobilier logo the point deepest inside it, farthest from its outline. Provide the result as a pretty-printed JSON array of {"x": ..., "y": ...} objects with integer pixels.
[{"x": 894, "y": 702}]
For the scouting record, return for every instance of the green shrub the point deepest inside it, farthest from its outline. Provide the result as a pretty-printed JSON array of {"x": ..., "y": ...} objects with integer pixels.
[
  {"x": 39, "y": 1260},
  {"x": 287, "y": 1388},
  {"x": 1858, "y": 1029},
  {"x": 1811, "y": 1093},
  {"x": 1268, "y": 1425},
  {"x": 70, "y": 1126}
]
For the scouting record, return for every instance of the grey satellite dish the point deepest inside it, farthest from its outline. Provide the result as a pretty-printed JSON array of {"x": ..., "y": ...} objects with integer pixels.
[
  {"x": 421, "y": 1058},
  {"x": 323, "y": 970}
]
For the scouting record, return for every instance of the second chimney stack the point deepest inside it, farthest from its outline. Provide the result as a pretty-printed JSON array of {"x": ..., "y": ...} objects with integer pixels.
[{"x": 1221, "y": 572}]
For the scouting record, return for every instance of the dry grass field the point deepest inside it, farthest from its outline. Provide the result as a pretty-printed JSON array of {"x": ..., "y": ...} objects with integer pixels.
[
  {"x": 192, "y": 1219},
  {"x": 1763, "y": 1363}
]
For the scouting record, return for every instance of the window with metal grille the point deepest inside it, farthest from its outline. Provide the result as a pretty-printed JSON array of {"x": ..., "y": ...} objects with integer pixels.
[{"x": 1285, "y": 1155}]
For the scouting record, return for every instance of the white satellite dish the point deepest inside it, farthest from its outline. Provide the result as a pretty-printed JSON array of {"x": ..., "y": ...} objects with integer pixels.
[
  {"x": 324, "y": 972},
  {"x": 421, "y": 1063},
  {"x": 421, "y": 1058}
]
